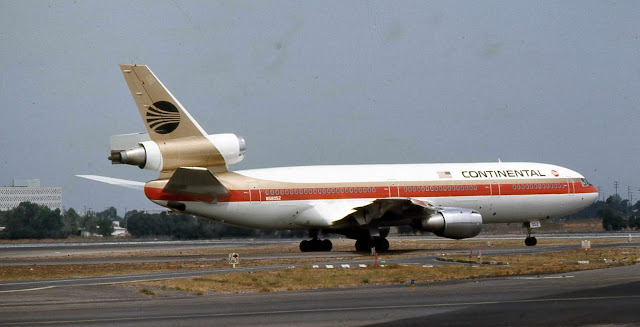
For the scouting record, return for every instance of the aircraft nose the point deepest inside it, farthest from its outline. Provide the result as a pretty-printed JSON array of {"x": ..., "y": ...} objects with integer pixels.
[{"x": 592, "y": 196}]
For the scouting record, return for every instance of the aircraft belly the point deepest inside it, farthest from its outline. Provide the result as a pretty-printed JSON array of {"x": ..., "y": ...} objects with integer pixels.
[
  {"x": 518, "y": 208},
  {"x": 523, "y": 208},
  {"x": 261, "y": 215}
]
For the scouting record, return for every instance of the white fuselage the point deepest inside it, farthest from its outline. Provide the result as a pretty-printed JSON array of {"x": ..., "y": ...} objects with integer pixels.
[{"x": 317, "y": 196}]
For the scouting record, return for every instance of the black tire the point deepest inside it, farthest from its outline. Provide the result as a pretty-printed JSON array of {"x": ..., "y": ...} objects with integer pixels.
[
  {"x": 530, "y": 241},
  {"x": 382, "y": 245},
  {"x": 363, "y": 245},
  {"x": 305, "y": 246},
  {"x": 326, "y": 245}
]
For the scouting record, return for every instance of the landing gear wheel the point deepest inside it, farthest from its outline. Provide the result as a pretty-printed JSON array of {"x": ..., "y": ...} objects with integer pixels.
[
  {"x": 381, "y": 244},
  {"x": 315, "y": 245},
  {"x": 530, "y": 241},
  {"x": 363, "y": 245},
  {"x": 305, "y": 246},
  {"x": 326, "y": 245}
]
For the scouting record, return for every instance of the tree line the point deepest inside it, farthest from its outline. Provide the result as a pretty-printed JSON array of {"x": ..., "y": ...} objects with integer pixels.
[
  {"x": 30, "y": 220},
  {"x": 618, "y": 214}
]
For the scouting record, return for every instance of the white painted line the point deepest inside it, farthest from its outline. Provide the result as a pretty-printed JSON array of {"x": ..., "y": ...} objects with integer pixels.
[
  {"x": 346, "y": 266},
  {"x": 362, "y": 266},
  {"x": 329, "y": 266},
  {"x": 315, "y": 266},
  {"x": 28, "y": 289},
  {"x": 543, "y": 277}
]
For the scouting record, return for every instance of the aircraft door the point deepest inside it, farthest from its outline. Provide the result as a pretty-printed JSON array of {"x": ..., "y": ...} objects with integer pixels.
[
  {"x": 255, "y": 196},
  {"x": 394, "y": 189},
  {"x": 495, "y": 189},
  {"x": 571, "y": 189}
]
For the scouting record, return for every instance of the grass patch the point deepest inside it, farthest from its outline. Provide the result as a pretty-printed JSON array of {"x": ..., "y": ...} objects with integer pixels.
[
  {"x": 147, "y": 291},
  {"x": 400, "y": 248},
  {"x": 301, "y": 278}
]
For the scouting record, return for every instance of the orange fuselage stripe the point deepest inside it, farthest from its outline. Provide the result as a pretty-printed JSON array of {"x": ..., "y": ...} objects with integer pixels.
[{"x": 411, "y": 191}]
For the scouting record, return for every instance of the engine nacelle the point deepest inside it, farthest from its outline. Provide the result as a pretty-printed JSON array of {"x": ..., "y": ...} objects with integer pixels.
[
  {"x": 456, "y": 223},
  {"x": 209, "y": 151}
]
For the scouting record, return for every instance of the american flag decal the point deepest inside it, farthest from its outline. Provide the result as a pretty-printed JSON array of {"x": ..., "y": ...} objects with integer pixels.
[{"x": 444, "y": 174}]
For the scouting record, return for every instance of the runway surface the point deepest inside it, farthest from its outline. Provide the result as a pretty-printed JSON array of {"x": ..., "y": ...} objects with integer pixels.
[
  {"x": 596, "y": 297},
  {"x": 606, "y": 296},
  {"x": 323, "y": 259}
]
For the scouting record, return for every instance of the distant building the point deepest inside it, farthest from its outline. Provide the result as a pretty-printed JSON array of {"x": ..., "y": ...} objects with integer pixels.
[{"x": 24, "y": 190}]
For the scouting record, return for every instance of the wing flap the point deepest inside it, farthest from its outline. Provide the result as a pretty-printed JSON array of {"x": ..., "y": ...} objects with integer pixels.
[{"x": 386, "y": 212}]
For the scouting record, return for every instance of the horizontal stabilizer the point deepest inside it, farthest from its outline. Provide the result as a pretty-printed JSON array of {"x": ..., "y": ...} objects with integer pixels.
[
  {"x": 195, "y": 181},
  {"x": 115, "y": 181}
]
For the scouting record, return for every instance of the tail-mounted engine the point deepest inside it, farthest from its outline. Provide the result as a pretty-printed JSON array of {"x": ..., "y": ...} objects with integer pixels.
[
  {"x": 194, "y": 151},
  {"x": 456, "y": 223}
]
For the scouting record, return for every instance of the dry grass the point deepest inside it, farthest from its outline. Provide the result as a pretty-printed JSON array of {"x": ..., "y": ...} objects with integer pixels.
[
  {"x": 401, "y": 248},
  {"x": 308, "y": 278},
  {"x": 65, "y": 271}
]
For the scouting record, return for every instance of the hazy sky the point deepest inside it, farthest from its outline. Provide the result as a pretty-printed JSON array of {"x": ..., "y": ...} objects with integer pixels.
[{"x": 324, "y": 82}]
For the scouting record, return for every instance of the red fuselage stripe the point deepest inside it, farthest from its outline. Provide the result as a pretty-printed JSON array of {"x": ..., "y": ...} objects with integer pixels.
[{"x": 359, "y": 192}]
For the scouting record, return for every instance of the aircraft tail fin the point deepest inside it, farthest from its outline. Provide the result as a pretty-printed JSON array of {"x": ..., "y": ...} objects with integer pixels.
[
  {"x": 163, "y": 115},
  {"x": 173, "y": 139}
]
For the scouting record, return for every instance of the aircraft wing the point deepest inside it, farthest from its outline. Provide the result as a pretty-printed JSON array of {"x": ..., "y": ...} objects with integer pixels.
[
  {"x": 116, "y": 181},
  {"x": 386, "y": 212}
]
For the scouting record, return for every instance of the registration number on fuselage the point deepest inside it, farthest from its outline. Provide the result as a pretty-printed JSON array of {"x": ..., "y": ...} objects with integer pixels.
[{"x": 273, "y": 198}]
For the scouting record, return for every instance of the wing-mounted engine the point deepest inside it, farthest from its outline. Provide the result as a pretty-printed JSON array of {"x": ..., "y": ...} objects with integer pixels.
[
  {"x": 456, "y": 223},
  {"x": 170, "y": 154},
  {"x": 449, "y": 222}
]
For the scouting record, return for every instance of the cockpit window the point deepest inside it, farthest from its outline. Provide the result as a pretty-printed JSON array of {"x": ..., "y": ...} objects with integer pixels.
[{"x": 585, "y": 182}]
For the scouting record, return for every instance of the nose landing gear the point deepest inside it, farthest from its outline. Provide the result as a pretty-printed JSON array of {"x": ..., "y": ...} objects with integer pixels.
[{"x": 530, "y": 240}]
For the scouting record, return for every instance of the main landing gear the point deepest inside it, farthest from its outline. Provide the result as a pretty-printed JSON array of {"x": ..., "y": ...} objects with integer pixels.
[
  {"x": 315, "y": 244},
  {"x": 530, "y": 240},
  {"x": 365, "y": 244}
]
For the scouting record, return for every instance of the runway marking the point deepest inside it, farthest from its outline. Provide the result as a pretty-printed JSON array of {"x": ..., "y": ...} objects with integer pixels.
[
  {"x": 254, "y": 313},
  {"x": 28, "y": 289},
  {"x": 544, "y": 277}
]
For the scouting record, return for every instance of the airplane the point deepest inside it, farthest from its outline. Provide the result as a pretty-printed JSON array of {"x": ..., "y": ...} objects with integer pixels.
[{"x": 361, "y": 202}]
